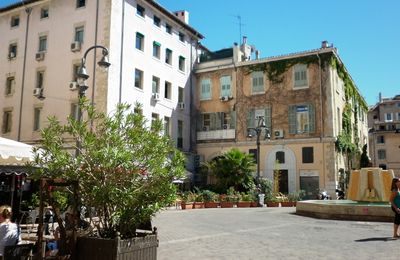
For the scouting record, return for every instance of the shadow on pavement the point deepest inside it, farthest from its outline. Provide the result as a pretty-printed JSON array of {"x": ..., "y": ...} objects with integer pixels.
[{"x": 376, "y": 239}]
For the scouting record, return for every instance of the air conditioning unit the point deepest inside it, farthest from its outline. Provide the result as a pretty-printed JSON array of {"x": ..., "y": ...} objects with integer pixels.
[
  {"x": 73, "y": 86},
  {"x": 181, "y": 105},
  {"x": 224, "y": 98},
  {"x": 226, "y": 126},
  {"x": 206, "y": 128},
  {"x": 39, "y": 56},
  {"x": 37, "y": 92},
  {"x": 75, "y": 46},
  {"x": 156, "y": 96},
  {"x": 11, "y": 55},
  {"x": 278, "y": 133}
]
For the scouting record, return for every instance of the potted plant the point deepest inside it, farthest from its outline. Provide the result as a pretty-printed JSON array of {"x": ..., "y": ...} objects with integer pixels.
[
  {"x": 122, "y": 171},
  {"x": 244, "y": 200},
  {"x": 210, "y": 199},
  {"x": 188, "y": 199},
  {"x": 198, "y": 200},
  {"x": 228, "y": 200}
]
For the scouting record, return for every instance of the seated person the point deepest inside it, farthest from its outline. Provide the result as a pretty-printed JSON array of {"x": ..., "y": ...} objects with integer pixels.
[{"x": 9, "y": 232}]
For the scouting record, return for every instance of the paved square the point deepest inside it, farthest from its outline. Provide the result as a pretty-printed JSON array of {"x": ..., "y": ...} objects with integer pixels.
[{"x": 269, "y": 233}]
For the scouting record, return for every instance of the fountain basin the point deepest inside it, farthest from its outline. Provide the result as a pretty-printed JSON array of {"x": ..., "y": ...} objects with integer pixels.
[{"x": 346, "y": 210}]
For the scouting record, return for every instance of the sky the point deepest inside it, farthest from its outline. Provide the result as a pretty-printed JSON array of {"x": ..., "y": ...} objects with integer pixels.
[{"x": 365, "y": 32}]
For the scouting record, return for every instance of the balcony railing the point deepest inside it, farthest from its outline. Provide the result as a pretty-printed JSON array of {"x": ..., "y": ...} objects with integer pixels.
[{"x": 216, "y": 134}]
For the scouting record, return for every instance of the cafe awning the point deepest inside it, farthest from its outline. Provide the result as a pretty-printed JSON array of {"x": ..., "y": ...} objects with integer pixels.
[{"x": 13, "y": 153}]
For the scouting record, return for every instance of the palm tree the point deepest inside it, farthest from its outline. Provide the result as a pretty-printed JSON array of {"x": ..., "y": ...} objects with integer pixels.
[{"x": 233, "y": 169}]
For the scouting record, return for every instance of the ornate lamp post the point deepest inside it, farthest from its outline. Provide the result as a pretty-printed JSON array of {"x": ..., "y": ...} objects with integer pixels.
[
  {"x": 258, "y": 131},
  {"x": 82, "y": 77}
]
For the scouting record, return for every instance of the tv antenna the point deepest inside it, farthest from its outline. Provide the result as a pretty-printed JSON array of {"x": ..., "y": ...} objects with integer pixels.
[{"x": 239, "y": 18}]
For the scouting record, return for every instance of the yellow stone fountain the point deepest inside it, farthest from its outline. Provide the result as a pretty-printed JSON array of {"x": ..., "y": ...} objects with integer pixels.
[{"x": 367, "y": 199}]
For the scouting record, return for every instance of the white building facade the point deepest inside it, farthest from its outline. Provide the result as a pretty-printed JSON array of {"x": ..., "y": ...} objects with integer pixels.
[{"x": 151, "y": 51}]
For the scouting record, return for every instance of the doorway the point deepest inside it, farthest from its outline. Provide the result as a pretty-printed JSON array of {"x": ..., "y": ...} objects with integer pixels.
[{"x": 310, "y": 184}]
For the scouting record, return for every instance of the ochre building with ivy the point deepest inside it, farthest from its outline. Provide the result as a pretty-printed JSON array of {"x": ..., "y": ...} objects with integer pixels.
[{"x": 315, "y": 116}]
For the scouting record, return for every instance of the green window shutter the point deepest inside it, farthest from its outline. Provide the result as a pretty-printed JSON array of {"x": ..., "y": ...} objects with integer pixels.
[
  {"x": 139, "y": 34},
  {"x": 267, "y": 118},
  {"x": 233, "y": 120},
  {"x": 311, "y": 118},
  {"x": 219, "y": 120},
  {"x": 213, "y": 121},
  {"x": 157, "y": 43},
  {"x": 292, "y": 119},
  {"x": 250, "y": 118}
]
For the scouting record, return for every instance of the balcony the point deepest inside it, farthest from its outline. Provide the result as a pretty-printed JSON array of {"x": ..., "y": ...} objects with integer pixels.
[{"x": 222, "y": 134}]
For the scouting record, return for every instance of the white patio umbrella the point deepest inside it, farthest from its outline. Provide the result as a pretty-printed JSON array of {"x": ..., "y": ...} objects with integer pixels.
[{"x": 14, "y": 153}]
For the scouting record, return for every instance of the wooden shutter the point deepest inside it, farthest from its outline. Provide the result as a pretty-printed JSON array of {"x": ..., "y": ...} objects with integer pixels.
[
  {"x": 233, "y": 120},
  {"x": 292, "y": 119},
  {"x": 267, "y": 118},
  {"x": 219, "y": 120},
  {"x": 250, "y": 118},
  {"x": 311, "y": 118},
  {"x": 213, "y": 121}
]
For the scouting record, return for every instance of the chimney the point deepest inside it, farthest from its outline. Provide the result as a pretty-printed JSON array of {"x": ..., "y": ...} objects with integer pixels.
[
  {"x": 324, "y": 44},
  {"x": 244, "y": 39},
  {"x": 183, "y": 16},
  {"x": 257, "y": 54},
  {"x": 380, "y": 97}
]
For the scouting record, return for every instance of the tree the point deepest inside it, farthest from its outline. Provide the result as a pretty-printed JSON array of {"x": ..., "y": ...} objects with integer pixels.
[
  {"x": 124, "y": 169},
  {"x": 233, "y": 169}
]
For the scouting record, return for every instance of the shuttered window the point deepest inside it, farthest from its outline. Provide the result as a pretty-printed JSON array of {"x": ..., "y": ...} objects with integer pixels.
[
  {"x": 225, "y": 82},
  {"x": 257, "y": 80},
  {"x": 300, "y": 76},
  {"x": 205, "y": 91}
]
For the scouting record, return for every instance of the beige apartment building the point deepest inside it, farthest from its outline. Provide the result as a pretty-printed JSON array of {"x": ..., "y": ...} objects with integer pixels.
[
  {"x": 384, "y": 133},
  {"x": 306, "y": 100},
  {"x": 151, "y": 50}
]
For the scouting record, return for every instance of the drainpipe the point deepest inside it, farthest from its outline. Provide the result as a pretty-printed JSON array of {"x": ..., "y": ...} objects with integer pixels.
[
  {"x": 121, "y": 58},
  {"x": 321, "y": 119},
  {"x": 191, "y": 141},
  {"x": 95, "y": 54},
  {"x": 28, "y": 11}
]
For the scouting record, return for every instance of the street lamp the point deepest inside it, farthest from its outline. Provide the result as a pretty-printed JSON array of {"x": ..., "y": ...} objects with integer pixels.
[
  {"x": 258, "y": 130},
  {"x": 82, "y": 77}
]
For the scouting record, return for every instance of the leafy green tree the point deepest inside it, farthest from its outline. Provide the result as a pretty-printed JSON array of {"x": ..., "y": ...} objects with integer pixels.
[
  {"x": 124, "y": 169},
  {"x": 233, "y": 169}
]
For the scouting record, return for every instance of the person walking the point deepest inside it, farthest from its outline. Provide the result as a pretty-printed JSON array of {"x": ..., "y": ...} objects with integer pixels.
[
  {"x": 395, "y": 202},
  {"x": 9, "y": 232}
]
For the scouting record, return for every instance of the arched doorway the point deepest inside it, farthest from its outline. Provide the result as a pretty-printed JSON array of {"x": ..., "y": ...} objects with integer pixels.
[{"x": 287, "y": 167}]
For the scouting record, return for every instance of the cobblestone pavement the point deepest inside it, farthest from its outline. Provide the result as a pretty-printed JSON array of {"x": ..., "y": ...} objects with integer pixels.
[{"x": 269, "y": 233}]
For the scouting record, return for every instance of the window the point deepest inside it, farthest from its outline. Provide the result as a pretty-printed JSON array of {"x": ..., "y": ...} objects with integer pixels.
[
  {"x": 205, "y": 92},
  {"x": 398, "y": 116},
  {"x": 180, "y": 134},
  {"x": 181, "y": 63},
  {"x": 39, "y": 79},
  {"x": 10, "y": 84},
  {"x": 301, "y": 119},
  {"x": 74, "y": 110},
  {"x": 254, "y": 115},
  {"x": 388, "y": 117},
  {"x": 206, "y": 121},
  {"x": 36, "y": 118},
  {"x": 398, "y": 104},
  {"x": 42, "y": 43},
  {"x": 75, "y": 69},
  {"x": 139, "y": 41},
  {"x": 181, "y": 37},
  {"x": 15, "y": 21},
  {"x": 167, "y": 126},
  {"x": 300, "y": 76},
  {"x": 380, "y": 139},
  {"x": 156, "y": 21},
  {"x": 79, "y": 33},
  {"x": 257, "y": 82},
  {"x": 7, "y": 121},
  {"x": 381, "y": 154},
  {"x": 140, "y": 10},
  {"x": 156, "y": 50},
  {"x": 280, "y": 157},
  {"x": 80, "y": 3},
  {"x": 225, "y": 82},
  {"x": 167, "y": 90},
  {"x": 253, "y": 153},
  {"x": 308, "y": 154},
  {"x": 181, "y": 94},
  {"x": 138, "y": 78},
  {"x": 44, "y": 12},
  {"x": 168, "y": 28},
  {"x": 12, "y": 50},
  {"x": 168, "y": 56},
  {"x": 155, "y": 85}
]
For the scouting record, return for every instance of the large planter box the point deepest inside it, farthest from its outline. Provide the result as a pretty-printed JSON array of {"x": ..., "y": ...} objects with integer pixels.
[
  {"x": 186, "y": 205},
  {"x": 198, "y": 205},
  {"x": 272, "y": 204},
  {"x": 244, "y": 204},
  {"x": 227, "y": 204},
  {"x": 288, "y": 204},
  {"x": 211, "y": 204},
  {"x": 143, "y": 248}
]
